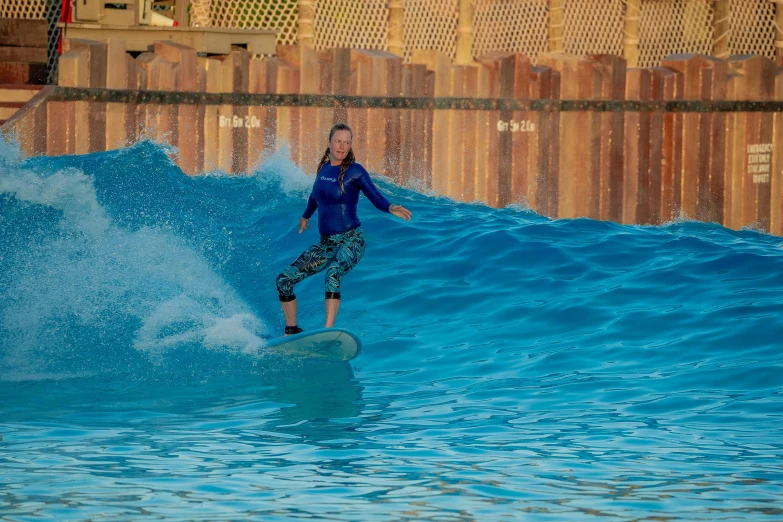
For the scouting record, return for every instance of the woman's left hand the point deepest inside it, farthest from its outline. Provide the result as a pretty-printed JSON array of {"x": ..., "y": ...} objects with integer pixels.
[{"x": 400, "y": 212}]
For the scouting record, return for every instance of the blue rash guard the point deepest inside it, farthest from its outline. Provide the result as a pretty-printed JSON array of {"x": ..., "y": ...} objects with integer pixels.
[{"x": 337, "y": 209}]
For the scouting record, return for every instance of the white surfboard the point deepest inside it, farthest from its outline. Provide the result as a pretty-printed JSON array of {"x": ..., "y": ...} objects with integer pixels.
[{"x": 334, "y": 344}]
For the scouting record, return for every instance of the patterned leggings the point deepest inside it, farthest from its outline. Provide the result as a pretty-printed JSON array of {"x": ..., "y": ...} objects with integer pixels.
[{"x": 337, "y": 253}]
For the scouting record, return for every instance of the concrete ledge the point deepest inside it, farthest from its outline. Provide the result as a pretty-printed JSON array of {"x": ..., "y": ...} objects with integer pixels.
[
  {"x": 19, "y": 32},
  {"x": 203, "y": 40}
]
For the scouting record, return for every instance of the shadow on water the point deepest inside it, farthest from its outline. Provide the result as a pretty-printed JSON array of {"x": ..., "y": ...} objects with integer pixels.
[
  {"x": 316, "y": 394},
  {"x": 300, "y": 397}
]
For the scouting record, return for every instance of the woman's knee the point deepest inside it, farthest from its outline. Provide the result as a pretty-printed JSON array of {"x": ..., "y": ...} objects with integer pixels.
[
  {"x": 285, "y": 282},
  {"x": 334, "y": 276}
]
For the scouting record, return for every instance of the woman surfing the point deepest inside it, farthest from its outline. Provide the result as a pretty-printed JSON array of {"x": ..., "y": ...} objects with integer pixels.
[{"x": 338, "y": 182}]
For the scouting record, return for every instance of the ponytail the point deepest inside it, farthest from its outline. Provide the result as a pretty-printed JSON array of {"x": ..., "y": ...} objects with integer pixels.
[
  {"x": 349, "y": 158},
  {"x": 323, "y": 161}
]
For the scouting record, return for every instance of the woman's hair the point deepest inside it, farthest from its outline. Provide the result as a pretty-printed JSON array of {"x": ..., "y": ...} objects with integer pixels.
[{"x": 349, "y": 158}]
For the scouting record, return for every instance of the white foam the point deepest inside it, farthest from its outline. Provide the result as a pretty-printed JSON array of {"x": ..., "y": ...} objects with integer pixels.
[
  {"x": 277, "y": 167},
  {"x": 95, "y": 274},
  {"x": 69, "y": 191},
  {"x": 237, "y": 331}
]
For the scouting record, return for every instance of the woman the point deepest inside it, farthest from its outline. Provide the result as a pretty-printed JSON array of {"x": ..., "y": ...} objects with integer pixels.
[{"x": 338, "y": 181}]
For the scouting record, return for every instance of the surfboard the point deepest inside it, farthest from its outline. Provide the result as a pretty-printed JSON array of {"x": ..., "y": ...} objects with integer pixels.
[{"x": 334, "y": 344}]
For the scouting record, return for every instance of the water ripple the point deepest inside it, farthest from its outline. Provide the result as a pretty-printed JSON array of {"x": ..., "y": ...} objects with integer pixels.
[{"x": 515, "y": 367}]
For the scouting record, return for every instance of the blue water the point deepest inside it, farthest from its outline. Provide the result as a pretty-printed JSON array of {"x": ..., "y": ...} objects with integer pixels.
[{"x": 514, "y": 367}]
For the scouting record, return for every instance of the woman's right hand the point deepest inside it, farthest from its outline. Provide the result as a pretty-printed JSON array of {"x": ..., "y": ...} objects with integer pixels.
[
  {"x": 303, "y": 223},
  {"x": 400, "y": 212}
]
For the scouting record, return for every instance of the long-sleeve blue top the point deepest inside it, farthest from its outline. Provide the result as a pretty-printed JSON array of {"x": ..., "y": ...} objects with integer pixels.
[{"x": 337, "y": 209}]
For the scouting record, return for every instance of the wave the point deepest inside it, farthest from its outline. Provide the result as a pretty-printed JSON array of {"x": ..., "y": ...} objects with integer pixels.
[{"x": 117, "y": 263}]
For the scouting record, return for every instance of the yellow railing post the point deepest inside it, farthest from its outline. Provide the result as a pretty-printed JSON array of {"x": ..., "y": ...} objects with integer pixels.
[
  {"x": 306, "y": 36},
  {"x": 181, "y": 12},
  {"x": 778, "y": 32},
  {"x": 465, "y": 33},
  {"x": 633, "y": 11},
  {"x": 556, "y": 17},
  {"x": 721, "y": 29},
  {"x": 396, "y": 16}
]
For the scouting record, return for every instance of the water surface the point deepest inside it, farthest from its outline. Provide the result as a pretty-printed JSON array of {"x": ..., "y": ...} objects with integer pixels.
[{"x": 514, "y": 367}]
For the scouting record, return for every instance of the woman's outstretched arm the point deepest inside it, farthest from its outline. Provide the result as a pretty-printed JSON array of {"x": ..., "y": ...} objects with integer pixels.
[{"x": 376, "y": 198}]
